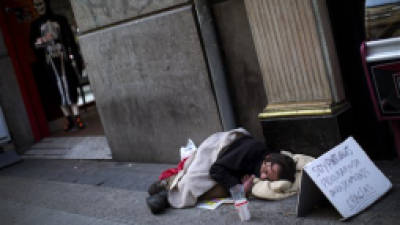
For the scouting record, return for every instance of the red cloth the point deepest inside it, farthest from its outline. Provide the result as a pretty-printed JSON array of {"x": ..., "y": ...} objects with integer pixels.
[{"x": 172, "y": 171}]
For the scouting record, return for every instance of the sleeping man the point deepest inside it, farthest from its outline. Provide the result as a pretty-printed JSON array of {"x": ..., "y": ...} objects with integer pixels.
[
  {"x": 222, "y": 161},
  {"x": 247, "y": 158}
]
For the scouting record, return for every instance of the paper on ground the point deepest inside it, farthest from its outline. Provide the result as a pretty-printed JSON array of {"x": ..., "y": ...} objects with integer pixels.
[{"x": 214, "y": 203}]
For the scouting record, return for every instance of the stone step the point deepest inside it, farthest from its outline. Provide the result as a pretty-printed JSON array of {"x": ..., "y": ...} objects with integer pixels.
[
  {"x": 130, "y": 176},
  {"x": 25, "y": 198},
  {"x": 48, "y": 192},
  {"x": 12, "y": 212},
  {"x": 35, "y": 201},
  {"x": 8, "y": 157},
  {"x": 95, "y": 147}
]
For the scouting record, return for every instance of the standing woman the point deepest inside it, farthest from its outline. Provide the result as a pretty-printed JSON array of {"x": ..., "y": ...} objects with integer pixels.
[{"x": 53, "y": 42}]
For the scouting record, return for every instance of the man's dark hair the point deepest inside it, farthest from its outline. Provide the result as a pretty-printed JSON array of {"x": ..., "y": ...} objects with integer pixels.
[{"x": 287, "y": 164}]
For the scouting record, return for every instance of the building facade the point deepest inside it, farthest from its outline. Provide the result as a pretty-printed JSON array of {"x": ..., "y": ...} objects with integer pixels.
[{"x": 166, "y": 71}]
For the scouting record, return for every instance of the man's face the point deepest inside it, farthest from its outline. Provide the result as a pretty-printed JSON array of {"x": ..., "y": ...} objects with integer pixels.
[
  {"x": 40, "y": 6},
  {"x": 269, "y": 171}
]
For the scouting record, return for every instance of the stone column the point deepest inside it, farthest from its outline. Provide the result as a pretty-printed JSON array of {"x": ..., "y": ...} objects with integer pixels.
[
  {"x": 297, "y": 57},
  {"x": 150, "y": 76},
  {"x": 301, "y": 74}
]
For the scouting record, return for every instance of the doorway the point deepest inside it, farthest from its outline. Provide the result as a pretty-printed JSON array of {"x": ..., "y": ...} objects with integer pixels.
[
  {"x": 347, "y": 20},
  {"x": 45, "y": 115}
]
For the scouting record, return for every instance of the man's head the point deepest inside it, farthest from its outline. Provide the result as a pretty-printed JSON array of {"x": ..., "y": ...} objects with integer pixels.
[
  {"x": 40, "y": 6},
  {"x": 277, "y": 166}
]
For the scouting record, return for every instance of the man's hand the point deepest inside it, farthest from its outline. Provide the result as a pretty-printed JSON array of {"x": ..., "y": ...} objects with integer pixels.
[
  {"x": 247, "y": 182},
  {"x": 48, "y": 37}
]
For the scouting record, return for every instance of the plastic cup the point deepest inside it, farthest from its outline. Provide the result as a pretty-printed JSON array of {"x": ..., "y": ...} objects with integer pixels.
[
  {"x": 237, "y": 192},
  {"x": 243, "y": 210},
  {"x": 241, "y": 203}
]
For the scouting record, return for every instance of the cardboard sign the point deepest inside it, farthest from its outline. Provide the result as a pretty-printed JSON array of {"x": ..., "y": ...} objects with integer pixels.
[{"x": 347, "y": 178}]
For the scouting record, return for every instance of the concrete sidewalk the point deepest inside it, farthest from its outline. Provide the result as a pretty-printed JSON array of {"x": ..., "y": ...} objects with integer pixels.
[{"x": 49, "y": 192}]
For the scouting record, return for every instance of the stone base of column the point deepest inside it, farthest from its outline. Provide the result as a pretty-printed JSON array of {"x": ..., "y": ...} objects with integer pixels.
[{"x": 312, "y": 134}]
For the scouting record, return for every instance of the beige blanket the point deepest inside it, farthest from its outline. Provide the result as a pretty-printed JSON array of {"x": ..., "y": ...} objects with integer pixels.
[{"x": 194, "y": 180}]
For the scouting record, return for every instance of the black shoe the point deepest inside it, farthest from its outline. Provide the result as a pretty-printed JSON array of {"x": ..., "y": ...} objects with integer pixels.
[
  {"x": 158, "y": 203},
  {"x": 156, "y": 187}
]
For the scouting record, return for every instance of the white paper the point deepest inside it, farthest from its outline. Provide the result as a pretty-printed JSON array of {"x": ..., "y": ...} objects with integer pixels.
[
  {"x": 214, "y": 203},
  {"x": 348, "y": 178}
]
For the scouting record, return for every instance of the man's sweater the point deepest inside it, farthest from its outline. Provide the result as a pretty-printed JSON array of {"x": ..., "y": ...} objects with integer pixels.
[{"x": 243, "y": 157}]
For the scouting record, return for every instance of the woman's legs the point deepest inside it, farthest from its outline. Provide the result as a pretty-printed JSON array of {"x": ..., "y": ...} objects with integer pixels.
[
  {"x": 75, "y": 109},
  {"x": 72, "y": 118},
  {"x": 77, "y": 118},
  {"x": 69, "y": 121},
  {"x": 68, "y": 94}
]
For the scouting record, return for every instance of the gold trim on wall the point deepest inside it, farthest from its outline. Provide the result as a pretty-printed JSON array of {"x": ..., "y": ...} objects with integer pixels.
[{"x": 296, "y": 109}]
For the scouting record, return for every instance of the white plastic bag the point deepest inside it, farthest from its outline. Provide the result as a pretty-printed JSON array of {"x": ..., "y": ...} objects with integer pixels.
[{"x": 187, "y": 150}]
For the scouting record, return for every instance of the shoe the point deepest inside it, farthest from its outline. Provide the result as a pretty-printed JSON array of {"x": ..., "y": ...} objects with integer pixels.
[
  {"x": 78, "y": 122},
  {"x": 157, "y": 203},
  {"x": 156, "y": 187},
  {"x": 69, "y": 123}
]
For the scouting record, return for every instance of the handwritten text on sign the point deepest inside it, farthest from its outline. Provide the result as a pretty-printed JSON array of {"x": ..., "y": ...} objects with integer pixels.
[{"x": 348, "y": 178}]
